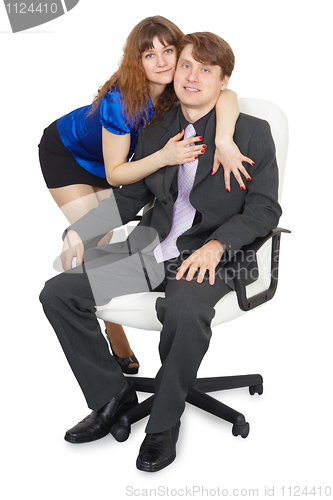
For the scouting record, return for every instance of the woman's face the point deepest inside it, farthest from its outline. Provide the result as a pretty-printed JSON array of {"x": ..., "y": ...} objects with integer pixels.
[{"x": 159, "y": 63}]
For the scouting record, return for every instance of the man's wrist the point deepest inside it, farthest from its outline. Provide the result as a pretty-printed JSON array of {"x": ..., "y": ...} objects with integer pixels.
[
  {"x": 222, "y": 247},
  {"x": 67, "y": 232}
]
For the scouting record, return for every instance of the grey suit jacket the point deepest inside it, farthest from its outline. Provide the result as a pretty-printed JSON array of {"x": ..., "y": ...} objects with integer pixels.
[{"x": 234, "y": 218}]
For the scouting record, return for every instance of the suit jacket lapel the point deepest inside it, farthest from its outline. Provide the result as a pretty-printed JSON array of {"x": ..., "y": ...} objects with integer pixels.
[{"x": 171, "y": 128}]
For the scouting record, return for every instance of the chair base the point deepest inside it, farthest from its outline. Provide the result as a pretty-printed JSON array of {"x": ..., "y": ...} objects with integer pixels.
[{"x": 196, "y": 396}]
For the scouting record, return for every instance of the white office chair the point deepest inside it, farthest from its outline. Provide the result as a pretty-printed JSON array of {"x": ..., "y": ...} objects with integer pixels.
[{"x": 138, "y": 310}]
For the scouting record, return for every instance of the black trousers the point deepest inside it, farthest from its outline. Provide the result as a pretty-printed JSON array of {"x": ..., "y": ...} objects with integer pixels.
[{"x": 186, "y": 313}]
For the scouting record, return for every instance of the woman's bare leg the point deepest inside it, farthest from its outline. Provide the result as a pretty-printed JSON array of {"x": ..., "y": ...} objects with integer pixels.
[{"x": 75, "y": 201}]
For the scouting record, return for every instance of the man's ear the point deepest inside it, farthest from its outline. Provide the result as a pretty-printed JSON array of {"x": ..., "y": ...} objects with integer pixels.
[{"x": 225, "y": 82}]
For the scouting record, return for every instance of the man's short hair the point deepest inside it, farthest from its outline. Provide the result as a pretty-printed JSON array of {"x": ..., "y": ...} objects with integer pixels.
[{"x": 209, "y": 48}]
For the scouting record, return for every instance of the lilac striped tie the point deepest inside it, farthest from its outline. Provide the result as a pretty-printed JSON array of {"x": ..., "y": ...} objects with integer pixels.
[{"x": 183, "y": 212}]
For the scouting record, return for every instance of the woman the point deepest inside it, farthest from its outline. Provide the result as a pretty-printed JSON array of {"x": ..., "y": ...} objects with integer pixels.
[{"x": 85, "y": 153}]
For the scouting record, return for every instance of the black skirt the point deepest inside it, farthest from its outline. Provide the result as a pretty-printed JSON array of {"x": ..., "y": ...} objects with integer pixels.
[{"x": 59, "y": 166}]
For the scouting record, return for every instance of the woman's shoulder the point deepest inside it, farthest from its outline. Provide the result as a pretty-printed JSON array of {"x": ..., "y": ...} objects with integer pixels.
[
  {"x": 112, "y": 113},
  {"x": 114, "y": 116},
  {"x": 113, "y": 96}
]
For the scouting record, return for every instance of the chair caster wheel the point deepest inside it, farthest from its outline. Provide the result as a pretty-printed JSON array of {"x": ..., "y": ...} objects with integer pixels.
[
  {"x": 241, "y": 430},
  {"x": 256, "y": 389},
  {"x": 120, "y": 432}
]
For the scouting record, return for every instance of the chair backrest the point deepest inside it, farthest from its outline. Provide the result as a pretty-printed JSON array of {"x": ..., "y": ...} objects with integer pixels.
[{"x": 277, "y": 120}]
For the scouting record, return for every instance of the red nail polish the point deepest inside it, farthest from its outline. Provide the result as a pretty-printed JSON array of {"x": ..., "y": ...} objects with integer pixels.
[
  {"x": 195, "y": 157},
  {"x": 249, "y": 178},
  {"x": 201, "y": 138},
  {"x": 243, "y": 188},
  {"x": 228, "y": 190},
  {"x": 203, "y": 150},
  {"x": 204, "y": 146},
  {"x": 212, "y": 172},
  {"x": 253, "y": 163}
]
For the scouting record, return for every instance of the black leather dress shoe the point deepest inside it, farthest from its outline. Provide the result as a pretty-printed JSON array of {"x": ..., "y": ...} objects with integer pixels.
[
  {"x": 158, "y": 450},
  {"x": 98, "y": 423}
]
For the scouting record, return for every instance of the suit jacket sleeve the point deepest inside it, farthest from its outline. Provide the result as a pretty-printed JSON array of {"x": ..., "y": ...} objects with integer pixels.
[
  {"x": 261, "y": 211},
  {"x": 121, "y": 207}
]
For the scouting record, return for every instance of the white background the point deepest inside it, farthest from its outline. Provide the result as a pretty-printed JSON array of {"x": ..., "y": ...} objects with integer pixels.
[{"x": 283, "y": 54}]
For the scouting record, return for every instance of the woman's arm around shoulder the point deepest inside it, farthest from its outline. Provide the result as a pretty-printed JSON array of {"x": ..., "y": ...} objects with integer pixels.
[
  {"x": 227, "y": 153},
  {"x": 119, "y": 172}
]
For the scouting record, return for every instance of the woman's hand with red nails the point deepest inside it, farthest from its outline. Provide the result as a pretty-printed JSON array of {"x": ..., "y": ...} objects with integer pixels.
[
  {"x": 228, "y": 155},
  {"x": 178, "y": 151}
]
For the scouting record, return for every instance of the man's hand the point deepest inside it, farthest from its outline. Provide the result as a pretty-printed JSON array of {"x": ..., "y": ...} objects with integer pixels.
[
  {"x": 72, "y": 247},
  {"x": 205, "y": 258}
]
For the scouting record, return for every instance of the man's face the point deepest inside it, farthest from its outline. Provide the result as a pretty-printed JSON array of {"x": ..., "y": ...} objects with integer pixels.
[{"x": 197, "y": 85}]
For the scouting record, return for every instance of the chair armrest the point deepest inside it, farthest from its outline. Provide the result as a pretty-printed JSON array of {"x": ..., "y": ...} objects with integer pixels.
[
  {"x": 237, "y": 268},
  {"x": 145, "y": 209}
]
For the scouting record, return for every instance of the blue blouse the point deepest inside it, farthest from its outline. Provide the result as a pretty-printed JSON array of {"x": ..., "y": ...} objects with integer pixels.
[{"x": 82, "y": 133}]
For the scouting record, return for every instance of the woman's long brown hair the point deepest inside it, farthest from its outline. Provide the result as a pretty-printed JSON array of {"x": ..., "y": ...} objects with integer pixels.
[{"x": 130, "y": 77}]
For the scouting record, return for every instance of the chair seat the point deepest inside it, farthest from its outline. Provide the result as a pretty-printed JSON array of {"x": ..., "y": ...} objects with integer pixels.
[{"x": 137, "y": 310}]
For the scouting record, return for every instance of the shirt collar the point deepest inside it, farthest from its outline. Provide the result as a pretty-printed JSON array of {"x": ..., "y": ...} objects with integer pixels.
[{"x": 199, "y": 125}]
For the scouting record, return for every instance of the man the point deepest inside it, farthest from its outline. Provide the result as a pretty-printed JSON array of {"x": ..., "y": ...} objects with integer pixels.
[{"x": 199, "y": 226}]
